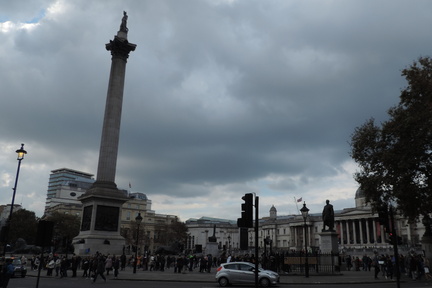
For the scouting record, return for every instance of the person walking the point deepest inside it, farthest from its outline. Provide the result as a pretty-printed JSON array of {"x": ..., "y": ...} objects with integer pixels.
[{"x": 100, "y": 269}]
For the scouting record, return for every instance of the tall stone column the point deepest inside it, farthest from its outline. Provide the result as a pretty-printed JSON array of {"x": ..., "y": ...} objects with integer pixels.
[{"x": 102, "y": 203}]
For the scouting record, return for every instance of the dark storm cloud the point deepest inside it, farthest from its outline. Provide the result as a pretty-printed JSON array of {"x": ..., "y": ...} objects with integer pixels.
[{"x": 221, "y": 97}]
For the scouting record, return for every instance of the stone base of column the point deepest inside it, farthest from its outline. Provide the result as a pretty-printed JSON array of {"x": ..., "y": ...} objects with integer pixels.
[
  {"x": 329, "y": 242},
  {"x": 104, "y": 243},
  {"x": 100, "y": 224}
]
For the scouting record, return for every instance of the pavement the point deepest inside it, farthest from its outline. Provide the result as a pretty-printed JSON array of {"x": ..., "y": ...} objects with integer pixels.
[{"x": 344, "y": 277}]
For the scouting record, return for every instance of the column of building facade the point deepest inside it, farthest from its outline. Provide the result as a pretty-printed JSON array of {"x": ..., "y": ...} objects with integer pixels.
[
  {"x": 348, "y": 231},
  {"x": 341, "y": 231},
  {"x": 382, "y": 234},
  {"x": 354, "y": 231},
  {"x": 368, "y": 240},
  {"x": 374, "y": 227}
]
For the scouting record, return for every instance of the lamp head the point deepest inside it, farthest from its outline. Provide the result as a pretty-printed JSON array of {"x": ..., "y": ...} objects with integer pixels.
[
  {"x": 21, "y": 152},
  {"x": 304, "y": 210},
  {"x": 139, "y": 218}
]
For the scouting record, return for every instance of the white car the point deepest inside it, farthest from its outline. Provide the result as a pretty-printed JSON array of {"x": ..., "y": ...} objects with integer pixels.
[{"x": 244, "y": 273}]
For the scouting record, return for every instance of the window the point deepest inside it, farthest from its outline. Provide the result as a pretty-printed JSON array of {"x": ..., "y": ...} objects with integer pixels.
[
  {"x": 231, "y": 267},
  {"x": 245, "y": 267}
]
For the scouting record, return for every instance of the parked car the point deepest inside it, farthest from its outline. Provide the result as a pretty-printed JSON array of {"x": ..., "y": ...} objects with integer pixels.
[
  {"x": 244, "y": 273},
  {"x": 19, "y": 269}
]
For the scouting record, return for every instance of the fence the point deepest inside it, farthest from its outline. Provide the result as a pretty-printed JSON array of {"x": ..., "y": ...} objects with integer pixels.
[{"x": 317, "y": 263}]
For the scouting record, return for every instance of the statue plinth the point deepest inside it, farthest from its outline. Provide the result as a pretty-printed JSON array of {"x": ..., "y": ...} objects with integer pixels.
[
  {"x": 329, "y": 242},
  {"x": 212, "y": 248}
]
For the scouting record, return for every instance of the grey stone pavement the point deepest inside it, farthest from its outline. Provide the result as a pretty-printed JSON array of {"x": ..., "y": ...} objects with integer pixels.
[{"x": 344, "y": 277}]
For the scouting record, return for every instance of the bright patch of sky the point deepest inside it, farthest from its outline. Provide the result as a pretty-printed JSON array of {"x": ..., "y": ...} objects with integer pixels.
[{"x": 38, "y": 17}]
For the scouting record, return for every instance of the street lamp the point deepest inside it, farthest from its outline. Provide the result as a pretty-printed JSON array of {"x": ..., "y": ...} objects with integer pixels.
[
  {"x": 305, "y": 212},
  {"x": 21, "y": 152},
  {"x": 138, "y": 220}
]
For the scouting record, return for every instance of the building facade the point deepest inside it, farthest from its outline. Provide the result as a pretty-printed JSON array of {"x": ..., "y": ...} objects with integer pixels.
[{"x": 358, "y": 230}]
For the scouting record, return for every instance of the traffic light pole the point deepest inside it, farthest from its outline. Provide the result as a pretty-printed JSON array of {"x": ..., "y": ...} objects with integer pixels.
[{"x": 256, "y": 240}]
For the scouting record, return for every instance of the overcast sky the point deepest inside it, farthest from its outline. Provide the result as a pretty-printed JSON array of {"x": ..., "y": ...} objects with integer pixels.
[{"x": 222, "y": 97}]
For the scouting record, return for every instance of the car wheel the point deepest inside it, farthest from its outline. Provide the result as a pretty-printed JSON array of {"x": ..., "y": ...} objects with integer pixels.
[
  {"x": 223, "y": 282},
  {"x": 265, "y": 282}
]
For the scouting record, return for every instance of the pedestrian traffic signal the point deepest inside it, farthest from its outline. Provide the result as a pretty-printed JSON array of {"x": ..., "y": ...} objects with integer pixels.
[{"x": 246, "y": 220}]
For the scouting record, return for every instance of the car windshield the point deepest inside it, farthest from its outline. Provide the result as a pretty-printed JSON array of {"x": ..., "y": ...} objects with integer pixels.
[{"x": 16, "y": 262}]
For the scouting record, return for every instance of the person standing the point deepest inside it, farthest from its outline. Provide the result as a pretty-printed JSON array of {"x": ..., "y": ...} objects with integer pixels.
[
  {"x": 108, "y": 264},
  {"x": 376, "y": 264},
  {"x": 116, "y": 266},
  {"x": 8, "y": 271}
]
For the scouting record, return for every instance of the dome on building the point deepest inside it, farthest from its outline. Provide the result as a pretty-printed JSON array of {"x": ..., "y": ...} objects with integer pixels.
[
  {"x": 273, "y": 209},
  {"x": 360, "y": 193}
]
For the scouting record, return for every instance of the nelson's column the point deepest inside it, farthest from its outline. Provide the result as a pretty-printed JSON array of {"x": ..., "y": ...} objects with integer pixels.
[{"x": 100, "y": 224}]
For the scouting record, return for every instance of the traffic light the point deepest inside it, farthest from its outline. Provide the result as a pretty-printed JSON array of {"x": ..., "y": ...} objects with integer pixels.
[
  {"x": 391, "y": 238},
  {"x": 246, "y": 220},
  {"x": 244, "y": 239},
  {"x": 383, "y": 217}
]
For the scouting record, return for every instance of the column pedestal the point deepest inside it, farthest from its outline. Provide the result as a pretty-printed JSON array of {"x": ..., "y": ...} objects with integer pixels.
[
  {"x": 329, "y": 242},
  {"x": 212, "y": 248}
]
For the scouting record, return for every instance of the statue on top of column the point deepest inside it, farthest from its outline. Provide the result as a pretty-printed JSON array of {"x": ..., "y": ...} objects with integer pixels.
[
  {"x": 213, "y": 238},
  {"x": 123, "y": 27}
]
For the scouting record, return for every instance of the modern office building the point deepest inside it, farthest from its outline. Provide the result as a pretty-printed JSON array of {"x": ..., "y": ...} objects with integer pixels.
[{"x": 65, "y": 186}]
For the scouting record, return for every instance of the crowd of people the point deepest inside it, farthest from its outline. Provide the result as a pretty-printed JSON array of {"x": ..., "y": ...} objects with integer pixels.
[
  {"x": 413, "y": 265},
  {"x": 98, "y": 266}
]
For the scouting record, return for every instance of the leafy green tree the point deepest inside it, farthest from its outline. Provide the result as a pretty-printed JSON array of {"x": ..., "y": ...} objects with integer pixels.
[
  {"x": 23, "y": 225},
  {"x": 395, "y": 158},
  {"x": 66, "y": 227}
]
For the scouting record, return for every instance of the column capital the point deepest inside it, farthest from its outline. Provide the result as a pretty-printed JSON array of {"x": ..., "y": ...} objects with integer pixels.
[{"x": 120, "y": 48}]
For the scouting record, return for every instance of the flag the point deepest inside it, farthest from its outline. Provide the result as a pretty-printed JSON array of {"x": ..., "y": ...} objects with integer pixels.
[
  {"x": 299, "y": 200},
  {"x": 130, "y": 186}
]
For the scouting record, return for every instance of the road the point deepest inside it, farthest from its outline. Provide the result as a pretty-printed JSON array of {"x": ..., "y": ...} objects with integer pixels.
[{"x": 31, "y": 282}]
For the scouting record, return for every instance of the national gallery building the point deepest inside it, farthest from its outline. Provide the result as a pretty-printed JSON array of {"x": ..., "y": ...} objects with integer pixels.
[{"x": 358, "y": 231}]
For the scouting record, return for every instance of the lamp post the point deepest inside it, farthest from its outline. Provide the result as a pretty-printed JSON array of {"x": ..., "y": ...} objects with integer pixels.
[
  {"x": 138, "y": 220},
  {"x": 21, "y": 152},
  {"x": 305, "y": 212}
]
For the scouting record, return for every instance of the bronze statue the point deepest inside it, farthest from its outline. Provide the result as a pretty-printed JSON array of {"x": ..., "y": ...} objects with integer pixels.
[
  {"x": 123, "y": 27},
  {"x": 328, "y": 216},
  {"x": 213, "y": 238}
]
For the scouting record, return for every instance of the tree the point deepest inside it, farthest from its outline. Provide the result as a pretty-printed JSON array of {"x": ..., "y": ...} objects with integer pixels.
[
  {"x": 66, "y": 227},
  {"x": 395, "y": 158},
  {"x": 23, "y": 225}
]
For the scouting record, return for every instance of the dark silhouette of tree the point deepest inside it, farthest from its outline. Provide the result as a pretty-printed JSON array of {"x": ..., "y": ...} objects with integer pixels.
[
  {"x": 395, "y": 158},
  {"x": 66, "y": 227},
  {"x": 23, "y": 225}
]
